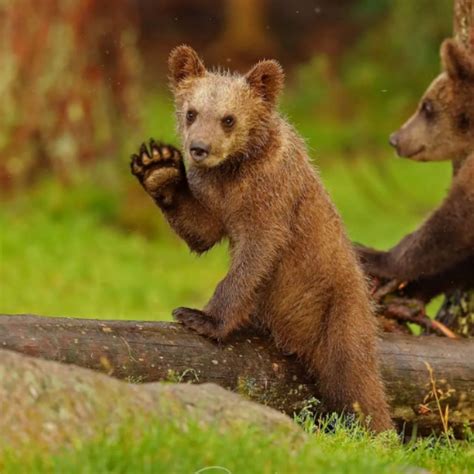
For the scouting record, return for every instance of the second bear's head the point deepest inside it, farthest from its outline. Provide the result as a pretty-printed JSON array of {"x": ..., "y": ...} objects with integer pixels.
[
  {"x": 442, "y": 127},
  {"x": 223, "y": 116}
]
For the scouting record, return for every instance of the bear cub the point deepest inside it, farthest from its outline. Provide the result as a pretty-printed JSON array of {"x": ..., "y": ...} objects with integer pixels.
[
  {"x": 442, "y": 128},
  {"x": 246, "y": 177}
]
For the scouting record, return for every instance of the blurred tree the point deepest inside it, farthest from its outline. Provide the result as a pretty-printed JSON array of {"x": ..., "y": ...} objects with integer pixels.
[
  {"x": 245, "y": 35},
  {"x": 464, "y": 22},
  {"x": 68, "y": 82},
  {"x": 243, "y": 31}
]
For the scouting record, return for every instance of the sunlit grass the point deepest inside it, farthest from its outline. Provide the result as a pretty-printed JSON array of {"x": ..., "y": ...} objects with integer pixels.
[
  {"x": 178, "y": 447},
  {"x": 61, "y": 262},
  {"x": 91, "y": 249}
]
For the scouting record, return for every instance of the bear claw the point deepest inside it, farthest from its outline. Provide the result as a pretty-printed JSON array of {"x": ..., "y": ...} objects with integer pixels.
[
  {"x": 198, "y": 321},
  {"x": 156, "y": 166}
]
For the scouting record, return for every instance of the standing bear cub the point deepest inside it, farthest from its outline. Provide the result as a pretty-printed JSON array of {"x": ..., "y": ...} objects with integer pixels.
[
  {"x": 293, "y": 271},
  {"x": 442, "y": 128}
]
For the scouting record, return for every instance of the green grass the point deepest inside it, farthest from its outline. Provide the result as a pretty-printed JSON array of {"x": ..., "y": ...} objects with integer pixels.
[
  {"x": 83, "y": 250},
  {"x": 59, "y": 259},
  {"x": 189, "y": 448}
]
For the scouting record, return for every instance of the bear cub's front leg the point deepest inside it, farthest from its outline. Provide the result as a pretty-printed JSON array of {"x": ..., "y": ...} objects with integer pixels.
[{"x": 160, "y": 170}]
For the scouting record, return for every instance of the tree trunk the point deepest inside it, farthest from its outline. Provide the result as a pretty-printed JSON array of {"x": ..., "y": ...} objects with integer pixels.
[
  {"x": 249, "y": 364},
  {"x": 463, "y": 22},
  {"x": 69, "y": 85},
  {"x": 463, "y": 32},
  {"x": 245, "y": 36}
]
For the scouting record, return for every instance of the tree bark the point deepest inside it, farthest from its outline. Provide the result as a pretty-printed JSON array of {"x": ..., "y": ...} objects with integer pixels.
[
  {"x": 250, "y": 364},
  {"x": 463, "y": 22},
  {"x": 463, "y": 32},
  {"x": 245, "y": 36}
]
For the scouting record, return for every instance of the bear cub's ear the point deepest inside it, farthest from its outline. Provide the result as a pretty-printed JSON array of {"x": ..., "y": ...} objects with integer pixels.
[
  {"x": 266, "y": 79},
  {"x": 457, "y": 61},
  {"x": 184, "y": 63}
]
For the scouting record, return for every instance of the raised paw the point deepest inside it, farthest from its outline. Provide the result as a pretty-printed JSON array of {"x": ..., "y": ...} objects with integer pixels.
[
  {"x": 158, "y": 167},
  {"x": 198, "y": 321}
]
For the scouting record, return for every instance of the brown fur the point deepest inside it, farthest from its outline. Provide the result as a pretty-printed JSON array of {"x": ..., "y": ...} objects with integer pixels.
[
  {"x": 444, "y": 244},
  {"x": 293, "y": 270}
]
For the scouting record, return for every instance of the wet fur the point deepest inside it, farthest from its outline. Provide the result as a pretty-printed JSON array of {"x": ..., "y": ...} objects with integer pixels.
[{"x": 293, "y": 270}]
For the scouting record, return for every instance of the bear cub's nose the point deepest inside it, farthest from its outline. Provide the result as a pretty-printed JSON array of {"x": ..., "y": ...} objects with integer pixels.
[{"x": 199, "y": 150}]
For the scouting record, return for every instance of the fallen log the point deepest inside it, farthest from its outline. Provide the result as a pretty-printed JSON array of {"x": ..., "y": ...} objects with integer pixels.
[{"x": 423, "y": 375}]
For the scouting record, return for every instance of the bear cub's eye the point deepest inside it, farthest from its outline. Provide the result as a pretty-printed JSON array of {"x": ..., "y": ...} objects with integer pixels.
[
  {"x": 228, "y": 121},
  {"x": 427, "y": 108},
  {"x": 191, "y": 116}
]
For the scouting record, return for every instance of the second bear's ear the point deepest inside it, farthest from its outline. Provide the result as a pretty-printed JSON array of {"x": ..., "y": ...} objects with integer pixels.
[
  {"x": 456, "y": 61},
  {"x": 266, "y": 78},
  {"x": 184, "y": 63}
]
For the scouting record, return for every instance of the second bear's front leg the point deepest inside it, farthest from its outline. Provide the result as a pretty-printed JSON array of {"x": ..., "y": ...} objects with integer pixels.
[{"x": 375, "y": 262}]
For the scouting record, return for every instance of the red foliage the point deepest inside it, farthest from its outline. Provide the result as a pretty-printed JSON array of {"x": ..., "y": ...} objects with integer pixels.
[{"x": 70, "y": 74}]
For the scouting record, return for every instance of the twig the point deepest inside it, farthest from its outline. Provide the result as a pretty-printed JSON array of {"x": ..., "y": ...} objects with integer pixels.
[
  {"x": 404, "y": 309},
  {"x": 443, "y": 416},
  {"x": 400, "y": 309},
  {"x": 381, "y": 290}
]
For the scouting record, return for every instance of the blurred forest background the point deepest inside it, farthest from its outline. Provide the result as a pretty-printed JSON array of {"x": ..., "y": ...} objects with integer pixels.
[{"x": 83, "y": 83}]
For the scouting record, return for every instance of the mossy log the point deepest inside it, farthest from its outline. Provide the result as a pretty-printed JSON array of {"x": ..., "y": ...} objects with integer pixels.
[
  {"x": 250, "y": 364},
  {"x": 49, "y": 406}
]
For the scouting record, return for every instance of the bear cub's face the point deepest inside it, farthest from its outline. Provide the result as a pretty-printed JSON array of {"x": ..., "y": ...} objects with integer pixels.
[
  {"x": 442, "y": 128},
  {"x": 221, "y": 116}
]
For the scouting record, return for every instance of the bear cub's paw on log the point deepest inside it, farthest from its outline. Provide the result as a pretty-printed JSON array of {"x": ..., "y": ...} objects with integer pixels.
[{"x": 200, "y": 322}]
